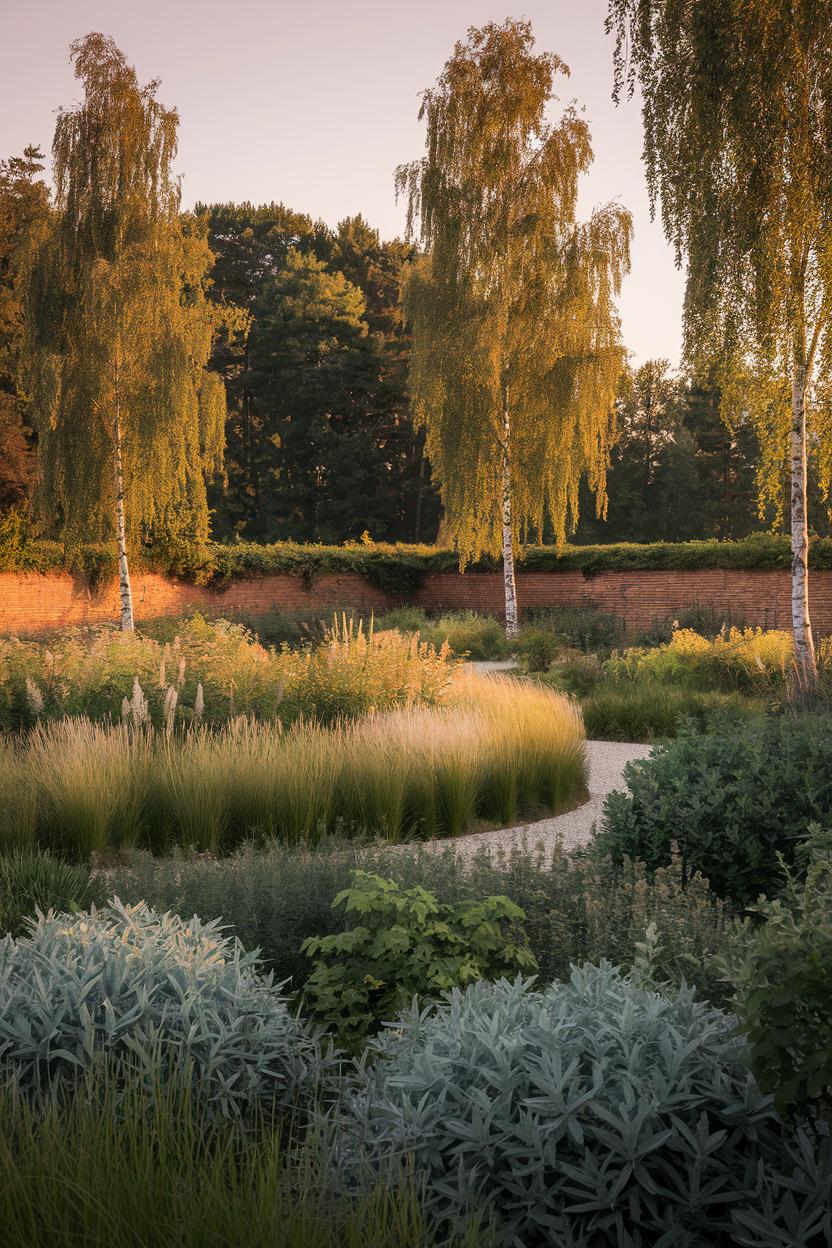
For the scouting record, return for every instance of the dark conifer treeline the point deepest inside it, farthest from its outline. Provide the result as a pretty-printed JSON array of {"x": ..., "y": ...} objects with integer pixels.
[{"x": 319, "y": 444}]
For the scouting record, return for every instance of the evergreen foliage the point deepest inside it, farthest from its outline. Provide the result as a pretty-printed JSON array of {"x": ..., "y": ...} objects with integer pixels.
[
  {"x": 736, "y": 799},
  {"x": 24, "y": 216}
]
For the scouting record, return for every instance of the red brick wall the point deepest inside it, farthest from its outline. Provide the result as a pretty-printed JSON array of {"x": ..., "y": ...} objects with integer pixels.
[{"x": 30, "y": 603}]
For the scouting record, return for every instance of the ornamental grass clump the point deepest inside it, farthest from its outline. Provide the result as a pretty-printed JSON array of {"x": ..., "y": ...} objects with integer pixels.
[
  {"x": 594, "y": 1112},
  {"x": 211, "y": 672},
  {"x": 163, "y": 1000},
  {"x": 497, "y": 750}
]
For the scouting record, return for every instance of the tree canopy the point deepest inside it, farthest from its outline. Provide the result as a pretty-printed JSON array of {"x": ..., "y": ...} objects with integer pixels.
[
  {"x": 129, "y": 420},
  {"x": 737, "y": 109},
  {"x": 517, "y": 350}
]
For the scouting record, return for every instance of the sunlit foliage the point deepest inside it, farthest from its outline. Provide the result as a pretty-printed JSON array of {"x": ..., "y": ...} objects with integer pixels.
[{"x": 516, "y": 349}]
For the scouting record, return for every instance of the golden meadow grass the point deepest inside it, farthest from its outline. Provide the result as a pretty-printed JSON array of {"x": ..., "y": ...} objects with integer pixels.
[
  {"x": 212, "y": 672},
  {"x": 498, "y": 749}
]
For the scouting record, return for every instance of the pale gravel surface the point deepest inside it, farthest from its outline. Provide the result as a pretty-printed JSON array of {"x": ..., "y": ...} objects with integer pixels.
[{"x": 575, "y": 827}]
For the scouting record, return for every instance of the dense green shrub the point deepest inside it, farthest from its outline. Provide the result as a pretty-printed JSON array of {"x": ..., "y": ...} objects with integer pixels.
[
  {"x": 400, "y": 943},
  {"x": 536, "y": 648},
  {"x": 627, "y": 711},
  {"x": 398, "y": 568},
  {"x": 165, "y": 999},
  {"x": 785, "y": 994},
  {"x": 31, "y": 880},
  {"x": 468, "y": 633},
  {"x": 574, "y": 672},
  {"x": 585, "y": 628},
  {"x": 578, "y": 906},
  {"x": 734, "y": 798},
  {"x": 594, "y": 1112}
]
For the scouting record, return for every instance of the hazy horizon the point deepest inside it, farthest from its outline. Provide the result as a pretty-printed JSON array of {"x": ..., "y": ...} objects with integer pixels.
[{"x": 317, "y": 109}]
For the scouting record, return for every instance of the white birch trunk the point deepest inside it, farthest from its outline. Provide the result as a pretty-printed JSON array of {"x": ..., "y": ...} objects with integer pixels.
[
  {"x": 125, "y": 591},
  {"x": 804, "y": 646},
  {"x": 512, "y": 626}
]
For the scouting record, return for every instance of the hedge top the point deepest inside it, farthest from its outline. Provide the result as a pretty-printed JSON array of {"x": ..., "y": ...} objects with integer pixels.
[{"x": 394, "y": 567}]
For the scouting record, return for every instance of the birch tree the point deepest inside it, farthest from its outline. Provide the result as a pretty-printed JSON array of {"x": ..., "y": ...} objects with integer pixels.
[
  {"x": 737, "y": 109},
  {"x": 129, "y": 420},
  {"x": 516, "y": 338}
]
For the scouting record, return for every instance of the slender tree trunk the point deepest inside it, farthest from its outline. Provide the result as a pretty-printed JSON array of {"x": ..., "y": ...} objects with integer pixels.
[
  {"x": 512, "y": 627},
  {"x": 123, "y": 568},
  {"x": 804, "y": 646}
]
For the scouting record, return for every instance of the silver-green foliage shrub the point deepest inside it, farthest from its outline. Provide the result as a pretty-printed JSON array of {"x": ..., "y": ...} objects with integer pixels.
[
  {"x": 594, "y": 1112},
  {"x": 162, "y": 999}
]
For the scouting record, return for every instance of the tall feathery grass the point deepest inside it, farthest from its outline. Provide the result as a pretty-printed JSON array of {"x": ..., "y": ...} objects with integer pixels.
[
  {"x": 212, "y": 672},
  {"x": 498, "y": 750}
]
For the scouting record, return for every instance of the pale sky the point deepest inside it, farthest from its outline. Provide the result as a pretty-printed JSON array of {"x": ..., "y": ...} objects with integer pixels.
[{"x": 316, "y": 103}]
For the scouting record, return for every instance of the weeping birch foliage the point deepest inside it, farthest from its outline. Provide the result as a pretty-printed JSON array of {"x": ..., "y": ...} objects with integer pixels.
[
  {"x": 737, "y": 109},
  {"x": 130, "y": 422},
  {"x": 516, "y": 338}
]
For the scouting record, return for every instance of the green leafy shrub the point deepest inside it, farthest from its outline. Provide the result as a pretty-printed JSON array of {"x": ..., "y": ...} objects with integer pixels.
[
  {"x": 164, "y": 999},
  {"x": 591, "y": 1112},
  {"x": 585, "y": 628},
  {"x": 405, "y": 619},
  {"x": 536, "y": 648},
  {"x": 31, "y": 880},
  {"x": 785, "y": 994},
  {"x": 400, "y": 943},
  {"x": 630, "y": 711},
  {"x": 734, "y": 798},
  {"x": 398, "y": 567},
  {"x": 573, "y": 672},
  {"x": 470, "y": 634},
  {"x": 579, "y": 906}
]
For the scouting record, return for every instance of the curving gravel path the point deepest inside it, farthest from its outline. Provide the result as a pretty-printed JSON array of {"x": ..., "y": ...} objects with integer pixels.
[{"x": 575, "y": 827}]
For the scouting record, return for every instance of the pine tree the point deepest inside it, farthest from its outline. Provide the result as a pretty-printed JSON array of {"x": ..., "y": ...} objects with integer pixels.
[
  {"x": 517, "y": 349},
  {"x": 129, "y": 420},
  {"x": 24, "y": 217},
  {"x": 313, "y": 370}
]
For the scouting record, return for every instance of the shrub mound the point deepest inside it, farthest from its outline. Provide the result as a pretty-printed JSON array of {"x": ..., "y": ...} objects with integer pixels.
[
  {"x": 733, "y": 798},
  {"x": 399, "y": 943},
  {"x": 164, "y": 1000},
  {"x": 593, "y": 1112},
  {"x": 785, "y": 994}
]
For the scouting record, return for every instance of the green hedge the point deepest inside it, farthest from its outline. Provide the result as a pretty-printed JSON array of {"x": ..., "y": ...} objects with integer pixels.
[{"x": 395, "y": 568}]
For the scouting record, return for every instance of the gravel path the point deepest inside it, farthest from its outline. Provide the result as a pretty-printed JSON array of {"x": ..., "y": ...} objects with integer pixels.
[{"x": 575, "y": 827}]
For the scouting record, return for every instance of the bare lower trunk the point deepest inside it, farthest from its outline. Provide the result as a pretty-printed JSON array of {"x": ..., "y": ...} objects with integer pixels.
[
  {"x": 123, "y": 568},
  {"x": 512, "y": 627},
  {"x": 804, "y": 646}
]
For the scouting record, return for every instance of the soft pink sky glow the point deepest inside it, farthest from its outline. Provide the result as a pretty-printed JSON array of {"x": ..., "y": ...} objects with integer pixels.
[{"x": 315, "y": 104}]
